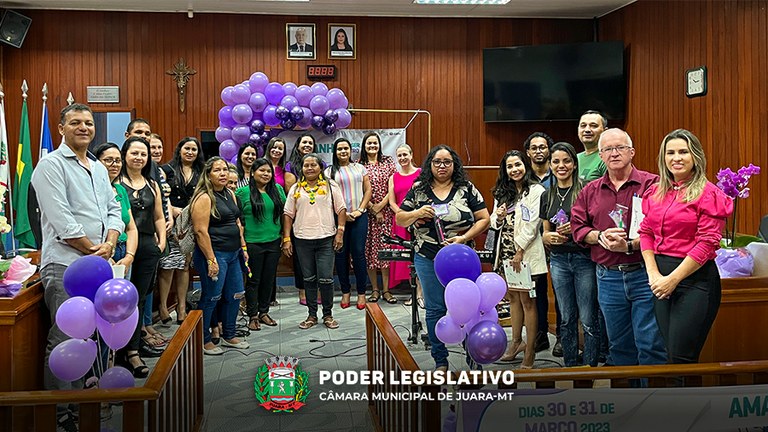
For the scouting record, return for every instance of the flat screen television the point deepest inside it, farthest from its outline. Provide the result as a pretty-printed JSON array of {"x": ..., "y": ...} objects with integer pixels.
[{"x": 553, "y": 82}]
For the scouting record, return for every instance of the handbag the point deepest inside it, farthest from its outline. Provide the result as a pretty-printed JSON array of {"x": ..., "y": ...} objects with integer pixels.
[{"x": 184, "y": 232}]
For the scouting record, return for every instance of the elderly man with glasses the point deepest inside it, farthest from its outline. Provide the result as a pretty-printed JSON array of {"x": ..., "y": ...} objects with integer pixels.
[{"x": 600, "y": 219}]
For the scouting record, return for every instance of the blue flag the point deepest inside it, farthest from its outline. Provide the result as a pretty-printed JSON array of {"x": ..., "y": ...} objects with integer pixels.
[{"x": 46, "y": 142}]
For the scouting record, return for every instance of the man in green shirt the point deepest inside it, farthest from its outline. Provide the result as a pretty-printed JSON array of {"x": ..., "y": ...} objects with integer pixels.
[{"x": 591, "y": 125}]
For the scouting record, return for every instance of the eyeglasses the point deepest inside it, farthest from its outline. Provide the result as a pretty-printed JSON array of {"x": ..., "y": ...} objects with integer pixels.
[
  {"x": 538, "y": 149},
  {"x": 442, "y": 163},
  {"x": 620, "y": 149},
  {"x": 111, "y": 161}
]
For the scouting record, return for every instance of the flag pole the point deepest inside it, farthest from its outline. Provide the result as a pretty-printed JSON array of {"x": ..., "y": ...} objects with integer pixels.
[
  {"x": 42, "y": 122},
  {"x": 7, "y": 204}
]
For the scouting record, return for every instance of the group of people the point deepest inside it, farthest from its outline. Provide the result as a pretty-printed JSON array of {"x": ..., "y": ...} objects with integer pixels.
[{"x": 654, "y": 282}]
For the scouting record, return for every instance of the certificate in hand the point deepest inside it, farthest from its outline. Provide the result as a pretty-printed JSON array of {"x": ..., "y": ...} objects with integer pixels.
[{"x": 519, "y": 280}]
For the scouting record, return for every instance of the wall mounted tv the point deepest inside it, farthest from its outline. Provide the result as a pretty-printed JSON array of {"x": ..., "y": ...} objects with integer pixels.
[{"x": 553, "y": 82}]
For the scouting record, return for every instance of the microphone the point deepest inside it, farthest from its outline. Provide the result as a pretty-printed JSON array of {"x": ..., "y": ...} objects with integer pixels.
[{"x": 397, "y": 240}]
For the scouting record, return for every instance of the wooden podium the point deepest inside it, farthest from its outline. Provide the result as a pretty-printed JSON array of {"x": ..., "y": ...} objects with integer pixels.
[{"x": 24, "y": 327}]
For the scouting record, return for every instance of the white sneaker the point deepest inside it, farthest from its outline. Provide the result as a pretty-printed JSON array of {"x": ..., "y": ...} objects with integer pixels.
[
  {"x": 239, "y": 345},
  {"x": 213, "y": 351}
]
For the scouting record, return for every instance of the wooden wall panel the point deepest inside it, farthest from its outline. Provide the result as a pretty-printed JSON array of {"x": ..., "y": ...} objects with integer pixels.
[
  {"x": 663, "y": 39},
  {"x": 402, "y": 63}
]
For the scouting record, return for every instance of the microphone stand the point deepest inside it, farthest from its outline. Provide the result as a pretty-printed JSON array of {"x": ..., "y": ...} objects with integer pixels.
[{"x": 416, "y": 325}]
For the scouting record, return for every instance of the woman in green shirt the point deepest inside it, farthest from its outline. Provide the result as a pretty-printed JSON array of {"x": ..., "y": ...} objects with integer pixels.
[{"x": 262, "y": 200}]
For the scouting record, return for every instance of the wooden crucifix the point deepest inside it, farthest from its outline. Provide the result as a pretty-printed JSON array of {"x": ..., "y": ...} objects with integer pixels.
[{"x": 181, "y": 74}]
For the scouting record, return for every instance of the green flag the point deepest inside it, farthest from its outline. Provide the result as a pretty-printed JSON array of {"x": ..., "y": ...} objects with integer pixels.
[{"x": 22, "y": 230}]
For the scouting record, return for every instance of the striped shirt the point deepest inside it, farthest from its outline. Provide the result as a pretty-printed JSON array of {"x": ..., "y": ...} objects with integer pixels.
[{"x": 350, "y": 178}]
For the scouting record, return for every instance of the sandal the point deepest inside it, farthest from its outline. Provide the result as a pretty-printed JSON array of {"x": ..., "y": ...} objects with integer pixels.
[
  {"x": 408, "y": 302},
  {"x": 420, "y": 301},
  {"x": 389, "y": 297},
  {"x": 330, "y": 322},
  {"x": 140, "y": 371},
  {"x": 308, "y": 323},
  {"x": 152, "y": 340},
  {"x": 375, "y": 294},
  {"x": 267, "y": 320},
  {"x": 254, "y": 324}
]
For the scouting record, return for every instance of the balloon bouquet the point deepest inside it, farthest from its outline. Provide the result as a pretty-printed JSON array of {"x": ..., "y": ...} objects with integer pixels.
[
  {"x": 470, "y": 297},
  {"x": 97, "y": 302},
  {"x": 254, "y": 104}
]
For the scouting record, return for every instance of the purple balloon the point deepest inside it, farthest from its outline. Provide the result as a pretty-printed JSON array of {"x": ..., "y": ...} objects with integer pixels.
[
  {"x": 76, "y": 317},
  {"x": 116, "y": 299},
  {"x": 462, "y": 297},
  {"x": 242, "y": 113},
  {"x": 344, "y": 118},
  {"x": 289, "y": 102},
  {"x": 223, "y": 133},
  {"x": 116, "y": 377},
  {"x": 258, "y": 82},
  {"x": 257, "y": 102},
  {"x": 274, "y": 93},
  {"x": 318, "y": 105},
  {"x": 491, "y": 315},
  {"x": 226, "y": 96},
  {"x": 330, "y": 116},
  {"x": 117, "y": 335},
  {"x": 71, "y": 359},
  {"x": 240, "y": 134},
  {"x": 336, "y": 98},
  {"x": 289, "y": 88},
  {"x": 254, "y": 139},
  {"x": 225, "y": 117},
  {"x": 233, "y": 161},
  {"x": 282, "y": 113},
  {"x": 318, "y": 122},
  {"x": 303, "y": 95},
  {"x": 457, "y": 261},
  {"x": 288, "y": 124},
  {"x": 297, "y": 113},
  {"x": 269, "y": 116},
  {"x": 306, "y": 120},
  {"x": 265, "y": 136},
  {"x": 492, "y": 289},
  {"x": 257, "y": 126},
  {"x": 228, "y": 148},
  {"x": 241, "y": 93},
  {"x": 319, "y": 89},
  {"x": 486, "y": 342},
  {"x": 448, "y": 331},
  {"x": 84, "y": 276},
  {"x": 329, "y": 129}
]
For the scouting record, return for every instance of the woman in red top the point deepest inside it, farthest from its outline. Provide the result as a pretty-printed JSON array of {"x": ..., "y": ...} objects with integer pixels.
[{"x": 684, "y": 219}]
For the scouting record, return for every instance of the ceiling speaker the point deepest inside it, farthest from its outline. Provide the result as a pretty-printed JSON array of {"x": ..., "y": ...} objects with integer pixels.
[{"x": 13, "y": 28}]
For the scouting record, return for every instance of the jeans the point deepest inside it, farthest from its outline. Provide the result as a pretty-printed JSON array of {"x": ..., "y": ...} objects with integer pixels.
[
  {"x": 228, "y": 287},
  {"x": 627, "y": 303},
  {"x": 434, "y": 299},
  {"x": 316, "y": 258},
  {"x": 354, "y": 244},
  {"x": 262, "y": 259},
  {"x": 575, "y": 284},
  {"x": 686, "y": 317}
]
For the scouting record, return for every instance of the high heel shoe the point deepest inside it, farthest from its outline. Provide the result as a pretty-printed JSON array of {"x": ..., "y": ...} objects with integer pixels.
[
  {"x": 140, "y": 371},
  {"x": 520, "y": 348},
  {"x": 345, "y": 304}
]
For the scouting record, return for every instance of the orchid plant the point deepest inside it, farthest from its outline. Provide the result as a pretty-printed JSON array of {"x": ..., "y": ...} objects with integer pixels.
[{"x": 734, "y": 184}]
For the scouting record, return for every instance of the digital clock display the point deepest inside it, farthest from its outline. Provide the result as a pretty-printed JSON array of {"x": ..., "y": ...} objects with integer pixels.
[{"x": 321, "y": 72}]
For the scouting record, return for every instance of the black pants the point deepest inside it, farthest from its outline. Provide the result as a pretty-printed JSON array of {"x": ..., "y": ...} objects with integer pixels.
[
  {"x": 298, "y": 276},
  {"x": 316, "y": 257},
  {"x": 542, "y": 301},
  {"x": 687, "y": 316},
  {"x": 262, "y": 259},
  {"x": 142, "y": 274}
]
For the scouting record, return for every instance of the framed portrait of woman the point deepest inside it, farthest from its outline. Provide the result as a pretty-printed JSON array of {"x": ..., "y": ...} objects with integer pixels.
[
  {"x": 342, "y": 41},
  {"x": 300, "y": 41}
]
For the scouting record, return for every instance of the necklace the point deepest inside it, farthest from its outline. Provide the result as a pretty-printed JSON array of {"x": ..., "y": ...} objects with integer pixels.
[
  {"x": 222, "y": 193},
  {"x": 562, "y": 197},
  {"x": 313, "y": 192}
]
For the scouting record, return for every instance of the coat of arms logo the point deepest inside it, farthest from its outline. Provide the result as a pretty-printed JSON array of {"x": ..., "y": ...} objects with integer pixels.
[{"x": 281, "y": 385}]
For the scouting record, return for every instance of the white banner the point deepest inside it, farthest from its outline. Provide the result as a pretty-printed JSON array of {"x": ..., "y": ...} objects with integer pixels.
[
  {"x": 391, "y": 139},
  {"x": 736, "y": 408}
]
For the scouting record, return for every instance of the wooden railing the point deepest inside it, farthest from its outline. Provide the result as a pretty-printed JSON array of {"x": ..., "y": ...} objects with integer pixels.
[
  {"x": 387, "y": 353},
  {"x": 170, "y": 400},
  {"x": 658, "y": 376}
]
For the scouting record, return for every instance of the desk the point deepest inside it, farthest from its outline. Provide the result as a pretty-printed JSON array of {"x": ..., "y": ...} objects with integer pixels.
[{"x": 24, "y": 327}]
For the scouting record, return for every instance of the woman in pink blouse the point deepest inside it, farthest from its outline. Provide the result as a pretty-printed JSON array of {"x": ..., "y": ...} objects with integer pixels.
[{"x": 684, "y": 219}]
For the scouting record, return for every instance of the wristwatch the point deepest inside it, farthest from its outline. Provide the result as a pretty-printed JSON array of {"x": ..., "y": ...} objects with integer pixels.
[
  {"x": 362, "y": 210},
  {"x": 630, "y": 250}
]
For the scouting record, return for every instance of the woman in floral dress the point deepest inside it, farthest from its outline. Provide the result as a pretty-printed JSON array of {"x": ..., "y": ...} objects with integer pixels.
[{"x": 380, "y": 168}]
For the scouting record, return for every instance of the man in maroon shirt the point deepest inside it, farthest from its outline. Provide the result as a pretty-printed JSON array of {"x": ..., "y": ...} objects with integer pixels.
[{"x": 600, "y": 218}]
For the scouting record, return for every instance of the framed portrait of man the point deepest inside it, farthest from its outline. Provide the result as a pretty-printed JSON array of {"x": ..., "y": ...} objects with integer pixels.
[
  {"x": 300, "y": 41},
  {"x": 342, "y": 41}
]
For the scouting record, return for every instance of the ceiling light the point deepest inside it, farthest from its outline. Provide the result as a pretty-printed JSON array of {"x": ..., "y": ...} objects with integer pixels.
[{"x": 461, "y": 2}]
